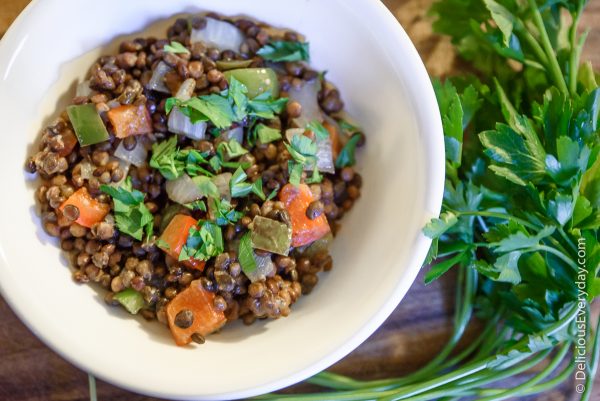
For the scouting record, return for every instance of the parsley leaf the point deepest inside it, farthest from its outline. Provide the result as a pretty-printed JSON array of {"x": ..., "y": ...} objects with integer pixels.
[
  {"x": 223, "y": 212},
  {"x": 176, "y": 47},
  {"x": 264, "y": 106},
  {"x": 318, "y": 129},
  {"x": 172, "y": 162},
  {"x": 267, "y": 134},
  {"x": 131, "y": 214},
  {"x": 346, "y": 156},
  {"x": 285, "y": 51},
  {"x": 164, "y": 159},
  {"x": 347, "y": 127},
  {"x": 304, "y": 153},
  {"x": 240, "y": 188},
  {"x": 246, "y": 254},
  {"x": 237, "y": 95},
  {"x": 203, "y": 243}
]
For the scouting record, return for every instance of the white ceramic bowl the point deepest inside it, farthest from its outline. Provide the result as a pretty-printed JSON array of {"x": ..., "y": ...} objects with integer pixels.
[{"x": 376, "y": 256}]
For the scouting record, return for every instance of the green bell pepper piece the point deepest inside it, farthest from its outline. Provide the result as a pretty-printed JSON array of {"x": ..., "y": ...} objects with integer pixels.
[
  {"x": 87, "y": 124},
  {"x": 270, "y": 235},
  {"x": 131, "y": 300},
  {"x": 257, "y": 80}
]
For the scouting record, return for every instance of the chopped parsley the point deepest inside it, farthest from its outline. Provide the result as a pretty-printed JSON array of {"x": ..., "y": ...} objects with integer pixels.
[
  {"x": 231, "y": 105},
  {"x": 172, "y": 162},
  {"x": 266, "y": 134},
  {"x": 285, "y": 51},
  {"x": 203, "y": 243},
  {"x": 304, "y": 153},
  {"x": 131, "y": 214},
  {"x": 240, "y": 187},
  {"x": 318, "y": 129},
  {"x": 246, "y": 254},
  {"x": 346, "y": 156},
  {"x": 224, "y": 212}
]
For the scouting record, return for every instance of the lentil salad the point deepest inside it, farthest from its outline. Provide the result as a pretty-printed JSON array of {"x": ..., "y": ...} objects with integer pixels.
[{"x": 200, "y": 178}]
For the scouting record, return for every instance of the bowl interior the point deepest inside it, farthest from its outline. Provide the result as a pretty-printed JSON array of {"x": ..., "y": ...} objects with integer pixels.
[{"x": 376, "y": 255}]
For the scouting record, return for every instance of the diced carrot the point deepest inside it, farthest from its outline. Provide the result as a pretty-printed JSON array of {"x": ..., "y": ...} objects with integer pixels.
[
  {"x": 335, "y": 139},
  {"x": 206, "y": 318},
  {"x": 130, "y": 120},
  {"x": 175, "y": 236},
  {"x": 69, "y": 141},
  {"x": 90, "y": 210},
  {"x": 296, "y": 201}
]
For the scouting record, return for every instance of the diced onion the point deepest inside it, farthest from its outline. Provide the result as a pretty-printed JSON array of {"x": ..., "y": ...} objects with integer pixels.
[
  {"x": 87, "y": 170},
  {"x": 137, "y": 156},
  {"x": 222, "y": 183},
  {"x": 180, "y": 124},
  {"x": 307, "y": 96},
  {"x": 157, "y": 82},
  {"x": 236, "y": 133},
  {"x": 183, "y": 190},
  {"x": 83, "y": 89},
  {"x": 186, "y": 89},
  {"x": 220, "y": 34},
  {"x": 264, "y": 268}
]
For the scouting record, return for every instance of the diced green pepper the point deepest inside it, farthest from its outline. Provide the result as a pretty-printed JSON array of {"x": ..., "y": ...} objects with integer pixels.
[
  {"x": 270, "y": 235},
  {"x": 257, "y": 80},
  {"x": 224, "y": 65},
  {"x": 131, "y": 300},
  {"x": 87, "y": 124}
]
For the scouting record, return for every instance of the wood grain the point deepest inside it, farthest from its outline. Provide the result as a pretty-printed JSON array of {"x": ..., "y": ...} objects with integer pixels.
[{"x": 412, "y": 335}]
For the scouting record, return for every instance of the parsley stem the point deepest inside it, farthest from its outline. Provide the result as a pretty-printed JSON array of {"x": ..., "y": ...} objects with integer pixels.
[
  {"x": 515, "y": 391},
  {"x": 498, "y": 215},
  {"x": 555, "y": 70},
  {"x": 92, "y": 387},
  {"x": 563, "y": 234},
  {"x": 532, "y": 42},
  {"x": 575, "y": 49},
  {"x": 552, "y": 383},
  {"x": 555, "y": 252}
]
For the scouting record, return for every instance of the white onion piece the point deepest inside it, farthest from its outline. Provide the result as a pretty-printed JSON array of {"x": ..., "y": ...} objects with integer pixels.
[
  {"x": 83, "y": 89},
  {"x": 222, "y": 183},
  {"x": 183, "y": 190},
  {"x": 325, "y": 162},
  {"x": 220, "y": 34},
  {"x": 264, "y": 268},
  {"x": 180, "y": 124},
  {"x": 124, "y": 166},
  {"x": 137, "y": 156},
  {"x": 86, "y": 170},
  {"x": 307, "y": 96},
  {"x": 236, "y": 133},
  {"x": 157, "y": 82},
  {"x": 186, "y": 89}
]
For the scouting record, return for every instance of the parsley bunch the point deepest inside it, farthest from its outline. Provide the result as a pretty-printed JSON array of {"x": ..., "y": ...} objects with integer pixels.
[{"x": 521, "y": 207}]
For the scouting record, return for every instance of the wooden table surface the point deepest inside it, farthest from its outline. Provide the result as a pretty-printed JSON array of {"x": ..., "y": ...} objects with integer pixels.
[{"x": 418, "y": 328}]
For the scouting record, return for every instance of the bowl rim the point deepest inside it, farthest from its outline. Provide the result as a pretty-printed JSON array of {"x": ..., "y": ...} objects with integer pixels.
[{"x": 428, "y": 121}]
